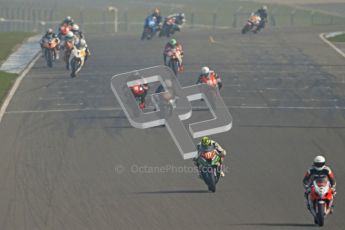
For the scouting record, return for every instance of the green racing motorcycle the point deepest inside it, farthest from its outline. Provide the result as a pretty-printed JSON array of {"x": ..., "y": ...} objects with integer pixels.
[{"x": 209, "y": 164}]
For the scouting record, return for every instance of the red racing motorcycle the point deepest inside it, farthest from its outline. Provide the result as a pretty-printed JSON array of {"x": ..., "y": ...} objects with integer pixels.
[
  {"x": 211, "y": 81},
  {"x": 172, "y": 59},
  {"x": 320, "y": 200}
]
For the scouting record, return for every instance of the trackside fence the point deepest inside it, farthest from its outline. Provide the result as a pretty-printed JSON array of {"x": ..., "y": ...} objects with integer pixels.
[{"x": 124, "y": 20}]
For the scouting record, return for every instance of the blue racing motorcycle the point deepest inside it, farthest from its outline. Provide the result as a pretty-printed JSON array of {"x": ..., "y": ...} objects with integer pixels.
[{"x": 151, "y": 27}]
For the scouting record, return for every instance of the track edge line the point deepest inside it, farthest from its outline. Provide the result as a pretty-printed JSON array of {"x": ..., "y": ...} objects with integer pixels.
[
  {"x": 16, "y": 84},
  {"x": 322, "y": 36}
]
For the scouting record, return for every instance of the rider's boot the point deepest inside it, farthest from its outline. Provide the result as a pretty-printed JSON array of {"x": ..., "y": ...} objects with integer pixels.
[
  {"x": 142, "y": 105},
  {"x": 332, "y": 209},
  {"x": 307, "y": 200},
  {"x": 222, "y": 174},
  {"x": 57, "y": 56}
]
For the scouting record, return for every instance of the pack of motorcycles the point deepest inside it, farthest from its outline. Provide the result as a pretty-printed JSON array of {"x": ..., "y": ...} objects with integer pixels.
[
  {"x": 73, "y": 56},
  {"x": 320, "y": 196}
]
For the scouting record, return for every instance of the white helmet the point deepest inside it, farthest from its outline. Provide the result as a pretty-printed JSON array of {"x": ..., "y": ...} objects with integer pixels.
[
  {"x": 205, "y": 70},
  {"x": 264, "y": 7},
  {"x": 70, "y": 34},
  {"x": 82, "y": 43},
  {"x": 319, "y": 162},
  {"x": 50, "y": 31},
  {"x": 68, "y": 18},
  {"x": 75, "y": 27}
]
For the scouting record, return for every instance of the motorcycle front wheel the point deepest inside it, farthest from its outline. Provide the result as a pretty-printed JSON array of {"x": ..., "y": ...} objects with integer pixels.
[
  {"x": 174, "y": 65},
  {"x": 209, "y": 178},
  {"x": 49, "y": 57},
  {"x": 320, "y": 214},
  {"x": 74, "y": 65},
  {"x": 246, "y": 28}
]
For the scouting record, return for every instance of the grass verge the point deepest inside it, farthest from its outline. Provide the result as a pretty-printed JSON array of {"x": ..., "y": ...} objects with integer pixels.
[
  {"x": 6, "y": 81},
  {"x": 338, "y": 38},
  {"x": 8, "y": 42}
]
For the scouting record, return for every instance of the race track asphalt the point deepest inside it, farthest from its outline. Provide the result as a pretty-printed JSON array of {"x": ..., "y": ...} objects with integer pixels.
[{"x": 70, "y": 160}]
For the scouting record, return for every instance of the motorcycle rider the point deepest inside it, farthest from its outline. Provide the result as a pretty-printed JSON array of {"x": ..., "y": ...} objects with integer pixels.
[
  {"x": 173, "y": 45},
  {"x": 83, "y": 45},
  {"x": 205, "y": 143},
  {"x": 318, "y": 170},
  {"x": 179, "y": 20},
  {"x": 140, "y": 92},
  {"x": 155, "y": 14},
  {"x": 209, "y": 74},
  {"x": 49, "y": 35},
  {"x": 67, "y": 21},
  {"x": 262, "y": 12},
  {"x": 77, "y": 32}
]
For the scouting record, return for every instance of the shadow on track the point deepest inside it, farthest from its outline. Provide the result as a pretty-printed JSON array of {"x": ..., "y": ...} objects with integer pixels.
[
  {"x": 173, "y": 192},
  {"x": 278, "y": 225}
]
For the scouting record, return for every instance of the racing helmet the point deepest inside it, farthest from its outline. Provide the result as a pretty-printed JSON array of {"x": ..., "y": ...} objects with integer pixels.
[
  {"x": 205, "y": 70},
  {"x": 172, "y": 42},
  {"x": 205, "y": 141},
  {"x": 70, "y": 35},
  {"x": 156, "y": 11},
  {"x": 50, "y": 31},
  {"x": 319, "y": 162},
  {"x": 182, "y": 15},
  {"x": 264, "y": 7},
  {"x": 75, "y": 27},
  {"x": 68, "y": 18}
]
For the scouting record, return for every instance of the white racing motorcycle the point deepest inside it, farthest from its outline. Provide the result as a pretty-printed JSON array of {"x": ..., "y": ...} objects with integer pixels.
[{"x": 77, "y": 60}]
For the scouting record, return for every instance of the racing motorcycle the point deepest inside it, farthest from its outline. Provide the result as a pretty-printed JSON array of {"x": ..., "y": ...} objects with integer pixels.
[
  {"x": 50, "y": 46},
  {"x": 209, "y": 163},
  {"x": 139, "y": 94},
  {"x": 77, "y": 60},
  {"x": 63, "y": 30},
  {"x": 168, "y": 27},
  {"x": 151, "y": 27},
  {"x": 253, "y": 21},
  {"x": 211, "y": 81},
  {"x": 172, "y": 60},
  {"x": 68, "y": 47},
  {"x": 320, "y": 200}
]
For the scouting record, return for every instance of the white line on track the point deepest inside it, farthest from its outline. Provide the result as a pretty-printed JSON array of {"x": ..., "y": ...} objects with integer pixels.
[
  {"x": 72, "y": 92},
  {"x": 243, "y": 106},
  {"x": 15, "y": 87},
  {"x": 322, "y": 36},
  {"x": 305, "y": 100},
  {"x": 57, "y": 87},
  {"x": 50, "y": 98},
  {"x": 70, "y": 104}
]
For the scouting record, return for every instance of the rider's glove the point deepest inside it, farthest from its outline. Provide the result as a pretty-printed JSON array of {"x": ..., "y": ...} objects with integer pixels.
[
  {"x": 334, "y": 190},
  {"x": 307, "y": 188}
]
